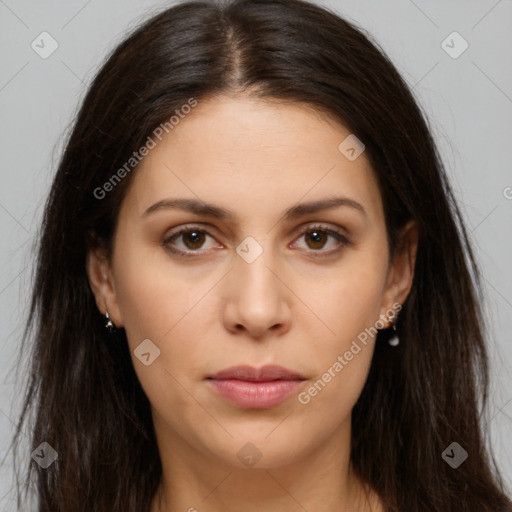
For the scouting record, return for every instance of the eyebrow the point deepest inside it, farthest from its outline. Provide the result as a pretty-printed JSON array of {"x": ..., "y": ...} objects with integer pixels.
[{"x": 210, "y": 210}]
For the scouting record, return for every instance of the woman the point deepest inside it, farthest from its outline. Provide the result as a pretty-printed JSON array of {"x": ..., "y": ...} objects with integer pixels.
[{"x": 254, "y": 288}]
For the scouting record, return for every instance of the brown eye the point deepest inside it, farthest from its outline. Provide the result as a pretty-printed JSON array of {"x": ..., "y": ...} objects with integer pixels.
[
  {"x": 193, "y": 239},
  {"x": 190, "y": 241},
  {"x": 187, "y": 241},
  {"x": 317, "y": 237}
]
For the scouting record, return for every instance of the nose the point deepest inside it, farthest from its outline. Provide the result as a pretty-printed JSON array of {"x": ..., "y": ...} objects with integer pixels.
[{"x": 257, "y": 298}]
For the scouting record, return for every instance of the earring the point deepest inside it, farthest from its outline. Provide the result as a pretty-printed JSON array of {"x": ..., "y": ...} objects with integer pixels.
[
  {"x": 109, "y": 325},
  {"x": 394, "y": 341}
]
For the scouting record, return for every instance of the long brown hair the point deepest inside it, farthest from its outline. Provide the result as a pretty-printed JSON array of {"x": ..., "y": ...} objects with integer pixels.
[{"x": 419, "y": 398}]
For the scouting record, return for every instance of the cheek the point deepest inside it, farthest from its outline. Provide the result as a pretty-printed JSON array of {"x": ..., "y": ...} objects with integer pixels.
[
  {"x": 329, "y": 399},
  {"x": 160, "y": 304},
  {"x": 350, "y": 307},
  {"x": 342, "y": 368},
  {"x": 153, "y": 295},
  {"x": 349, "y": 300},
  {"x": 165, "y": 304}
]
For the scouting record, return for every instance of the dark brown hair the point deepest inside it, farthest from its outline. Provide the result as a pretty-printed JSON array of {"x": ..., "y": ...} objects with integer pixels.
[{"x": 420, "y": 397}]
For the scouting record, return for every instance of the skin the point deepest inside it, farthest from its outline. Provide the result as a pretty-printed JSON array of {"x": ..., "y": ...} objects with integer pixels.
[{"x": 214, "y": 310}]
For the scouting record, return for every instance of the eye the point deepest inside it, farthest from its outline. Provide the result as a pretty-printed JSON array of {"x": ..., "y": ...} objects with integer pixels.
[
  {"x": 317, "y": 236},
  {"x": 192, "y": 239},
  {"x": 189, "y": 240}
]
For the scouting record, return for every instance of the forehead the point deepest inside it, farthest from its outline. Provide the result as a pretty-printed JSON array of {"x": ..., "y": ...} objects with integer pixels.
[{"x": 251, "y": 155}]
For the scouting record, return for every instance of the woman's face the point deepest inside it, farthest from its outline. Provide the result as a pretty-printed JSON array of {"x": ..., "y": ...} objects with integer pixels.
[{"x": 271, "y": 281}]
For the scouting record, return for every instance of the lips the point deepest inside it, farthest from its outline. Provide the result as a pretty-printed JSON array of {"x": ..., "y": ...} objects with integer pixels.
[
  {"x": 263, "y": 374},
  {"x": 255, "y": 388}
]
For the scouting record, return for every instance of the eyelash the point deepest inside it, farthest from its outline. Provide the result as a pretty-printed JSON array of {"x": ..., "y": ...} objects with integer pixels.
[{"x": 344, "y": 241}]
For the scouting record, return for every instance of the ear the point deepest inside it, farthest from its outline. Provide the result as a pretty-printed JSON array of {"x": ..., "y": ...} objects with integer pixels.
[
  {"x": 101, "y": 280},
  {"x": 401, "y": 269}
]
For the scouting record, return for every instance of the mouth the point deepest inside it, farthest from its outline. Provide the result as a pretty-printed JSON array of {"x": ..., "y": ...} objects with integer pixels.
[{"x": 255, "y": 388}]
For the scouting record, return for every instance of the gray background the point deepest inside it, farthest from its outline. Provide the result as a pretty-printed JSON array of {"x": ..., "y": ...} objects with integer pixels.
[{"x": 468, "y": 101}]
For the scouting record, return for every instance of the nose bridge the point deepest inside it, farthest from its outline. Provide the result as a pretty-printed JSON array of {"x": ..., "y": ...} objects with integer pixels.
[
  {"x": 256, "y": 297},
  {"x": 252, "y": 268}
]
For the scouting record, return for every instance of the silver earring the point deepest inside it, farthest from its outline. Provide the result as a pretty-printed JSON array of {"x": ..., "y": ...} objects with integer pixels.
[
  {"x": 394, "y": 341},
  {"x": 109, "y": 325}
]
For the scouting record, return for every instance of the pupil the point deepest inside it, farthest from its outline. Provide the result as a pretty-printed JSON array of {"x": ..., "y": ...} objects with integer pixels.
[
  {"x": 317, "y": 237},
  {"x": 194, "y": 237}
]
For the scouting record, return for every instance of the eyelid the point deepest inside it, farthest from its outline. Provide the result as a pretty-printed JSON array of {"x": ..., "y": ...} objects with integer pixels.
[{"x": 331, "y": 231}]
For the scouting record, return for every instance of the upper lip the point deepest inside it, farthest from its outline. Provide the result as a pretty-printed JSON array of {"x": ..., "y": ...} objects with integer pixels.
[{"x": 263, "y": 374}]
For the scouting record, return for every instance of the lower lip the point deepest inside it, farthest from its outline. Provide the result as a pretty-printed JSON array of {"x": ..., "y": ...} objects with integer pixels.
[{"x": 255, "y": 395}]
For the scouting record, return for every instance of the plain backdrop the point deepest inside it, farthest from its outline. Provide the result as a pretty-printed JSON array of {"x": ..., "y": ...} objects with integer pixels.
[{"x": 466, "y": 95}]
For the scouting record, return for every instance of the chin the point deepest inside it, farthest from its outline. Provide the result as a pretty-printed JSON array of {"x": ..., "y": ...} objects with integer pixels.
[{"x": 256, "y": 449}]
